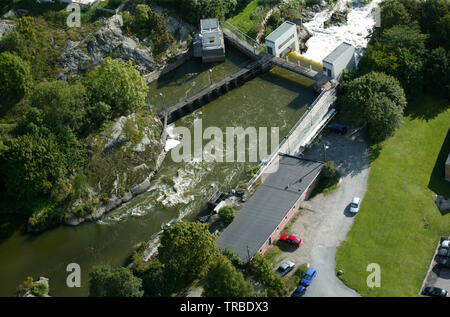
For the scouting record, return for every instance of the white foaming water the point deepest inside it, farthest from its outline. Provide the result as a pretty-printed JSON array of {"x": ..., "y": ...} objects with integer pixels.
[
  {"x": 360, "y": 22},
  {"x": 172, "y": 139}
]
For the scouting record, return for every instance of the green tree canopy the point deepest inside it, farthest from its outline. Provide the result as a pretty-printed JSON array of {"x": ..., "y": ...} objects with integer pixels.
[
  {"x": 226, "y": 214},
  {"x": 15, "y": 78},
  {"x": 117, "y": 84},
  {"x": 62, "y": 105},
  {"x": 376, "y": 99},
  {"x": 223, "y": 280},
  {"x": 32, "y": 166},
  {"x": 393, "y": 13},
  {"x": 186, "y": 250},
  {"x": 107, "y": 281}
]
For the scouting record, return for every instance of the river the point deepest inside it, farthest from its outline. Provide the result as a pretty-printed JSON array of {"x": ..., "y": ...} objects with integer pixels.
[{"x": 180, "y": 190}]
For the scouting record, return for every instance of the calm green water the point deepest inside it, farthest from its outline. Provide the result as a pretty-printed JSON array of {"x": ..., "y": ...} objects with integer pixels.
[{"x": 179, "y": 190}]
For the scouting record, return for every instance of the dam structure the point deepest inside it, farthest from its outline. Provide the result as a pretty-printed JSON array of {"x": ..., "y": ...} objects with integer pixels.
[{"x": 261, "y": 63}]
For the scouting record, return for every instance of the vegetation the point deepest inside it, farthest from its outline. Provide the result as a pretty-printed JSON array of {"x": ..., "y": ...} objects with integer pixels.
[
  {"x": 375, "y": 99},
  {"x": 186, "y": 250},
  {"x": 223, "y": 280},
  {"x": 263, "y": 273},
  {"x": 226, "y": 214},
  {"x": 106, "y": 281},
  {"x": 15, "y": 79},
  {"x": 399, "y": 206},
  {"x": 36, "y": 288},
  {"x": 406, "y": 172},
  {"x": 329, "y": 178}
]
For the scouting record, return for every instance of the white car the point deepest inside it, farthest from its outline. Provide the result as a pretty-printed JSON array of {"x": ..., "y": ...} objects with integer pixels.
[
  {"x": 445, "y": 244},
  {"x": 285, "y": 268},
  {"x": 354, "y": 206}
]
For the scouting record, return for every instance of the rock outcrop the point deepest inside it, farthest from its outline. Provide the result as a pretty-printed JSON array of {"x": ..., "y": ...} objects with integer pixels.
[
  {"x": 107, "y": 41},
  {"x": 6, "y": 27},
  {"x": 125, "y": 157}
]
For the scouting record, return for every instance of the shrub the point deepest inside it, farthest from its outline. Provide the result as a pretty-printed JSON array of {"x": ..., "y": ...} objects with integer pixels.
[{"x": 226, "y": 214}]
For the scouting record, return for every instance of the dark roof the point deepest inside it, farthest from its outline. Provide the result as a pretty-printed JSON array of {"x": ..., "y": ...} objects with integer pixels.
[
  {"x": 268, "y": 206},
  {"x": 337, "y": 52}
]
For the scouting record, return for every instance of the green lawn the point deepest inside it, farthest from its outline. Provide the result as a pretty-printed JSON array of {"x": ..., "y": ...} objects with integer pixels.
[
  {"x": 399, "y": 224},
  {"x": 243, "y": 20}
]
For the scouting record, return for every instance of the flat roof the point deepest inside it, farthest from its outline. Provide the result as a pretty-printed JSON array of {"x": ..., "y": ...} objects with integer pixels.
[
  {"x": 208, "y": 24},
  {"x": 337, "y": 52},
  {"x": 268, "y": 206},
  {"x": 283, "y": 28}
]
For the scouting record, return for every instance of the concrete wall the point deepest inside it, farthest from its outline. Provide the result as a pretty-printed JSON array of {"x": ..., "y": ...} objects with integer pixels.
[{"x": 447, "y": 168}]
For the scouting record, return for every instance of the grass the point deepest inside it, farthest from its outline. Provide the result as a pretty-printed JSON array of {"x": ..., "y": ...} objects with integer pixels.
[
  {"x": 243, "y": 20},
  {"x": 399, "y": 224}
]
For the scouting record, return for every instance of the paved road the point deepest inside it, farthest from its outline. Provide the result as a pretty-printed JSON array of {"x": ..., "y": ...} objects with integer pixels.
[{"x": 324, "y": 223}]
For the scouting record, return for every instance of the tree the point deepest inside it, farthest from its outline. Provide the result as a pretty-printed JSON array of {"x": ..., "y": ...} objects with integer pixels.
[
  {"x": 117, "y": 84},
  {"x": 226, "y": 214},
  {"x": 62, "y": 105},
  {"x": 438, "y": 71},
  {"x": 186, "y": 250},
  {"x": 32, "y": 166},
  {"x": 15, "y": 78},
  {"x": 394, "y": 13},
  {"x": 223, "y": 280},
  {"x": 376, "y": 99},
  {"x": 263, "y": 273},
  {"x": 107, "y": 281}
]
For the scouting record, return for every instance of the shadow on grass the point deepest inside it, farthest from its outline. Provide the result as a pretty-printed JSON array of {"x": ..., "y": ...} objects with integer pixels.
[
  {"x": 437, "y": 183},
  {"x": 426, "y": 108}
]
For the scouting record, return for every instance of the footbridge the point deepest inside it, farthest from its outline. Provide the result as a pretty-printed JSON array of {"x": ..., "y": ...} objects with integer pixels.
[{"x": 261, "y": 63}]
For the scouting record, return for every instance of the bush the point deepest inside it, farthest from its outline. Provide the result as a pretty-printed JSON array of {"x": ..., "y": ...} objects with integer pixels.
[
  {"x": 226, "y": 214},
  {"x": 15, "y": 78}
]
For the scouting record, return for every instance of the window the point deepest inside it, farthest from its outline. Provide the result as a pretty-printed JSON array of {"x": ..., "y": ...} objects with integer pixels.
[{"x": 284, "y": 43}]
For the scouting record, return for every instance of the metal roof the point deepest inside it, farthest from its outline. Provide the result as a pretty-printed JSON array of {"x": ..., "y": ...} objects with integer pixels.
[
  {"x": 337, "y": 52},
  {"x": 268, "y": 206},
  {"x": 207, "y": 24},
  {"x": 272, "y": 37}
]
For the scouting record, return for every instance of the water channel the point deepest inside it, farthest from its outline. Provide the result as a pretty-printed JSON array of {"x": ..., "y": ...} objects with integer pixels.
[{"x": 180, "y": 190}]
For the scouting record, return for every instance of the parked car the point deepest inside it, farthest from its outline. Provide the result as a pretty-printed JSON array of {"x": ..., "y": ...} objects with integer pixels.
[
  {"x": 444, "y": 261},
  {"x": 445, "y": 244},
  {"x": 444, "y": 252},
  {"x": 339, "y": 128},
  {"x": 308, "y": 277},
  {"x": 299, "y": 291},
  {"x": 293, "y": 240},
  {"x": 355, "y": 204},
  {"x": 434, "y": 291},
  {"x": 285, "y": 268}
]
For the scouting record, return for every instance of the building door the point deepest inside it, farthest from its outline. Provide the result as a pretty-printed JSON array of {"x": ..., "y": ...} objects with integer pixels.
[
  {"x": 329, "y": 73},
  {"x": 269, "y": 50}
]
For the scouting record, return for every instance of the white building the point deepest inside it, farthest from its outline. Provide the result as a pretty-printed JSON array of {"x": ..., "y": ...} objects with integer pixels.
[
  {"x": 283, "y": 40},
  {"x": 87, "y": 3},
  {"x": 343, "y": 57},
  {"x": 213, "y": 45}
]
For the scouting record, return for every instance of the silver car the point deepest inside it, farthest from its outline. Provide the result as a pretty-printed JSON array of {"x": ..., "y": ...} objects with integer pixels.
[
  {"x": 354, "y": 206},
  {"x": 285, "y": 268}
]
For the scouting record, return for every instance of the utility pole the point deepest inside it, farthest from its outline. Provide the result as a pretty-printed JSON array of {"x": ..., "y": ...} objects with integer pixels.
[
  {"x": 210, "y": 76},
  {"x": 325, "y": 148}
]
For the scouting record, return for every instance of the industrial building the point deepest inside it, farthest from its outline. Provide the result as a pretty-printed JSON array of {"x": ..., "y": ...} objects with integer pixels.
[
  {"x": 262, "y": 219},
  {"x": 343, "y": 57},
  {"x": 283, "y": 40},
  {"x": 209, "y": 43}
]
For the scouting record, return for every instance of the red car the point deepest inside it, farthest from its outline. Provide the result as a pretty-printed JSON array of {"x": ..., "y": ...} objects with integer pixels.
[{"x": 291, "y": 240}]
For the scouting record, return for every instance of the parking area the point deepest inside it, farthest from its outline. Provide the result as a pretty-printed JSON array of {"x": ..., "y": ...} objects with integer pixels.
[
  {"x": 437, "y": 276},
  {"x": 324, "y": 221}
]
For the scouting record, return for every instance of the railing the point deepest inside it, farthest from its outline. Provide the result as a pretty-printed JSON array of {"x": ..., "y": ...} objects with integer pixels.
[
  {"x": 318, "y": 109},
  {"x": 242, "y": 36}
]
